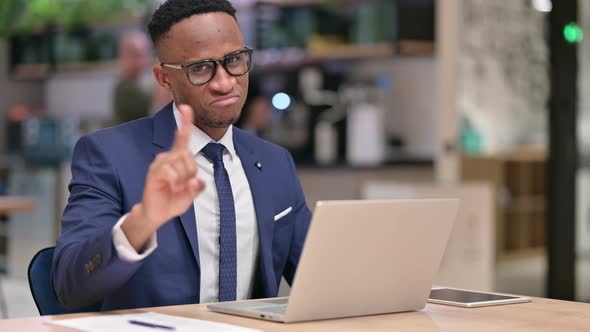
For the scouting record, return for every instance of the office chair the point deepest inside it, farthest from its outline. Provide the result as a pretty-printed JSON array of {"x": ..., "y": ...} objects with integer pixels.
[{"x": 39, "y": 274}]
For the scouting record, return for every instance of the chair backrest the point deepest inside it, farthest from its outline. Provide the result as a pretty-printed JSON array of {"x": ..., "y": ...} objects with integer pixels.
[{"x": 39, "y": 274}]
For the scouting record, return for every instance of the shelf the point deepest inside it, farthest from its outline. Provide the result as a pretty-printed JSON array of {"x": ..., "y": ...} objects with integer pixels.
[
  {"x": 526, "y": 204},
  {"x": 520, "y": 154},
  {"x": 352, "y": 52},
  {"x": 118, "y": 21},
  {"x": 289, "y": 3},
  {"x": 42, "y": 71},
  {"x": 527, "y": 154},
  {"x": 31, "y": 71},
  {"x": 516, "y": 255},
  {"x": 283, "y": 60},
  {"x": 415, "y": 47},
  {"x": 12, "y": 204},
  {"x": 519, "y": 177},
  {"x": 303, "y": 3},
  {"x": 86, "y": 66},
  {"x": 293, "y": 58},
  {"x": 402, "y": 161}
]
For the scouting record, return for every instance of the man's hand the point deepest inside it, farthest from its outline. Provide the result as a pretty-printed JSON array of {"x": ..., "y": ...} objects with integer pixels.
[{"x": 170, "y": 188}]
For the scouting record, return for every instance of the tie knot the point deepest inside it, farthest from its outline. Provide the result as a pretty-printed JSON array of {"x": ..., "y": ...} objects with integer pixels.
[{"x": 214, "y": 152}]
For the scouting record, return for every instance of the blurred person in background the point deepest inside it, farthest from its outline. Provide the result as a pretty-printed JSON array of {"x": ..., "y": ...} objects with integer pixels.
[
  {"x": 255, "y": 116},
  {"x": 141, "y": 229},
  {"x": 131, "y": 100}
]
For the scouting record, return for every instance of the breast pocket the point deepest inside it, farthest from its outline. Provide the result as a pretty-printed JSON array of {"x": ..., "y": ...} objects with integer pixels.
[
  {"x": 283, "y": 234},
  {"x": 283, "y": 214}
]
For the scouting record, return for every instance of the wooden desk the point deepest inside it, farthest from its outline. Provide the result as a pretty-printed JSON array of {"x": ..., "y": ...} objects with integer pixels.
[
  {"x": 12, "y": 204},
  {"x": 540, "y": 315}
]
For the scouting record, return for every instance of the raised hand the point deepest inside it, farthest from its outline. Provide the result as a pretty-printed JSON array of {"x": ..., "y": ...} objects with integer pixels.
[{"x": 170, "y": 188}]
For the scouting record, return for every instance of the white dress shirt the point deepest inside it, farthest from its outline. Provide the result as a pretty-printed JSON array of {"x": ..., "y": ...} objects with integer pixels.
[{"x": 206, "y": 207}]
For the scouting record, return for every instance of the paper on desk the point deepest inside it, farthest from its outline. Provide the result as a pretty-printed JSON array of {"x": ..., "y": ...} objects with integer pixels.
[{"x": 112, "y": 323}]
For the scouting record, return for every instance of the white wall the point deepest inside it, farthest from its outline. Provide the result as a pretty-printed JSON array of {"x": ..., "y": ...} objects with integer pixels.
[
  {"x": 504, "y": 81},
  {"x": 410, "y": 105},
  {"x": 87, "y": 94}
]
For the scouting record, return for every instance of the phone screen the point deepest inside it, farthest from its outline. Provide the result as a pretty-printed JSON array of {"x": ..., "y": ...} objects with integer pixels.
[{"x": 463, "y": 296}]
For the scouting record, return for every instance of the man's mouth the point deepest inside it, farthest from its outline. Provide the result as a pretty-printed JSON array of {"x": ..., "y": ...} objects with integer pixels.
[{"x": 225, "y": 101}]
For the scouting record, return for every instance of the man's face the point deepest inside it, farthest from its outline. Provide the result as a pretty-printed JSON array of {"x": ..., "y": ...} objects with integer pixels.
[{"x": 218, "y": 103}]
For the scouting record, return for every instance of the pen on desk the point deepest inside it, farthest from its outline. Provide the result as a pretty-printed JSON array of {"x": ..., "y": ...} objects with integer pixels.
[{"x": 146, "y": 324}]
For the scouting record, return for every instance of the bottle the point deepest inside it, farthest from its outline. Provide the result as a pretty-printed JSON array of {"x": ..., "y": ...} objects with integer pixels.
[
  {"x": 365, "y": 131},
  {"x": 471, "y": 139},
  {"x": 326, "y": 143}
]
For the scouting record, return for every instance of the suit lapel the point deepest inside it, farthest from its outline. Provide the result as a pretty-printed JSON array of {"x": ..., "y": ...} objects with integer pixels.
[
  {"x": 163, "y": 137},
  {"x": 189, "y": 224},
  {"x": 262, "y": 198}
]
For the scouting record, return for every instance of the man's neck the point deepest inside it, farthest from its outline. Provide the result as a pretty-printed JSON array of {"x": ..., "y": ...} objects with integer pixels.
[{"x": 215, "y": 133}]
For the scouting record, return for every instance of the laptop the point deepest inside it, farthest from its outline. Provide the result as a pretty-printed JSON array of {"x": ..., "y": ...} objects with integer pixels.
[{"x": 361, "y": 258}]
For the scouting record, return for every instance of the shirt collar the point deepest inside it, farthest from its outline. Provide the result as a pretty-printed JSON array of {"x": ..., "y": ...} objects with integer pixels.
[{"x": 199, "y": 138}]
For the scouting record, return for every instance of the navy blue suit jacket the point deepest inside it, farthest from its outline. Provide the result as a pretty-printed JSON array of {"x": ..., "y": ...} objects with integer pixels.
[{"x": 109, "y": 168}]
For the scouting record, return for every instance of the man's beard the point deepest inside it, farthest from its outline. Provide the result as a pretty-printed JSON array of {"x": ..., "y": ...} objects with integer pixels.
[{"x": 217, "y": 124}]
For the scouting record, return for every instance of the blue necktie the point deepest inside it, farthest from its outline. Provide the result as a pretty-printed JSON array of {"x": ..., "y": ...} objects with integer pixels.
[{"x": 227, "y": 227}]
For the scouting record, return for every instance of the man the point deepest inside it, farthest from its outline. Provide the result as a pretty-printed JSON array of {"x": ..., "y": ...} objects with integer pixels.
[
  {"x": 141, "y": 228},
  {"x": 255, "y": 116},
  {"x": 130, "y": 100}
]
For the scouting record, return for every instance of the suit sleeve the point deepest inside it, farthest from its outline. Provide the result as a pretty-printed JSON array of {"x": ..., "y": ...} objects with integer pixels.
[
  {"x": 302, "y": 221},
  {"x": 86, "y": 266}
]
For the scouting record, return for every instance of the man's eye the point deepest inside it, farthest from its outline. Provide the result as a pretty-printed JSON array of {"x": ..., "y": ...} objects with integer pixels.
[
  {"x": 201, "y": 67},
  {"x": 233, "y": 58}
]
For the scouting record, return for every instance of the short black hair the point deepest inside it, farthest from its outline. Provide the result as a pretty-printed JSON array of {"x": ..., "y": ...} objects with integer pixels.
[{"x": 174, "y": 11}]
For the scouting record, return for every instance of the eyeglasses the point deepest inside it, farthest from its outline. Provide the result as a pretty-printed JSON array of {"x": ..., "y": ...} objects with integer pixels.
[{"x": 202, "y": 71}]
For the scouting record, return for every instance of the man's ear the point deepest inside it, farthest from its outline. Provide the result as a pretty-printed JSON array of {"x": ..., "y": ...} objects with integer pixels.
[{"x": 161, "y": 77}]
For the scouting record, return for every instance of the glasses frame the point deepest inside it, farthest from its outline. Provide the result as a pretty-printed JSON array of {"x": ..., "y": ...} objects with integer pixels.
[{"x": 222, "y": 61}]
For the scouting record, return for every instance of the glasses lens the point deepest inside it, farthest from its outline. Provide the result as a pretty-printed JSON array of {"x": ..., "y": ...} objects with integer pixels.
[
  {"x": 239, "y": 63},
  {"x": 201, "y": 72}
]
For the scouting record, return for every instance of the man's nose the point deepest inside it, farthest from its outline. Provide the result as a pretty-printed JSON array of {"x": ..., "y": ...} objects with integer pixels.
[{"x": 222, "y": 82}]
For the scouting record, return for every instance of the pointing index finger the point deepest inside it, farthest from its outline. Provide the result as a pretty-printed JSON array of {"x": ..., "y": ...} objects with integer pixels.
[{"x": 184, "y": 132}]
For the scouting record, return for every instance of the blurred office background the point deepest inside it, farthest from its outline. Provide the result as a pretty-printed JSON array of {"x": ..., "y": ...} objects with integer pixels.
[{"x": 477, "y": 99}]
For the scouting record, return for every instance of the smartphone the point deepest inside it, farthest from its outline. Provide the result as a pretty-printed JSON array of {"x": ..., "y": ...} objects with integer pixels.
[{"x": 471, "y": 299}]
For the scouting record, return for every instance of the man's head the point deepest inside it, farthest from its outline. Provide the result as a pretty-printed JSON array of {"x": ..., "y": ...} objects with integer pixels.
[
  {"x": 134, "y": 54},
  {"x": 185, "y": 31}
]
